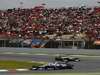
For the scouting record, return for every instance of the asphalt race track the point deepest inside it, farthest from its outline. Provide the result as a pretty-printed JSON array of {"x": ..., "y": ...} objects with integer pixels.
[
  {"x": 44, "y": 58},
  {"x": 82, "y": 66}
]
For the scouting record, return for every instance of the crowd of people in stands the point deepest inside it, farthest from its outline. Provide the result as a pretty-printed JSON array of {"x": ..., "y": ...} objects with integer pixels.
[{"x": 39, "y": 21}]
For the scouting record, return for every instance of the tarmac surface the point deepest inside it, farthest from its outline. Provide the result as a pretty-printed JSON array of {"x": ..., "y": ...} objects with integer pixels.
[{"x": 82, "y": 66}]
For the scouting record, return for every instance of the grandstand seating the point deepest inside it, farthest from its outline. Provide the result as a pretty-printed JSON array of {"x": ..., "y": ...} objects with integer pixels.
[{"x": 82, "y": 23}]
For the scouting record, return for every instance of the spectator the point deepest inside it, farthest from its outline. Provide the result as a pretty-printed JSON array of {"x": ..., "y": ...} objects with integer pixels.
[{"x": 27, "y": 23}]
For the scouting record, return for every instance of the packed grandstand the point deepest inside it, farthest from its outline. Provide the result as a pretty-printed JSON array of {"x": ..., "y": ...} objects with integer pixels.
[{"x": 37, "y": 26}]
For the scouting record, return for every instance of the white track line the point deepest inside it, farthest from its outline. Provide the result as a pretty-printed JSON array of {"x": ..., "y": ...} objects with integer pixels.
[
  {"x": 22, "y": 69},
  {"x": 83, "y": 56},
  {"x": 40, "y": 54},
  {"x": 19, "y": 70},
  {"x": 23, "y": 53},
  {"x": 3, "y": 70},
  {"x": 8, "y": 53}
]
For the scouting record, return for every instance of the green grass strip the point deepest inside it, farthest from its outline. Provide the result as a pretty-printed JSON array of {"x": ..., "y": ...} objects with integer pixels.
[{"x": 17, "y": 64}]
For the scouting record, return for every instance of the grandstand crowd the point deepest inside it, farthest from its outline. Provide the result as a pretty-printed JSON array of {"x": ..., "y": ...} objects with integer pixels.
[{"x": 40, "y": 21}]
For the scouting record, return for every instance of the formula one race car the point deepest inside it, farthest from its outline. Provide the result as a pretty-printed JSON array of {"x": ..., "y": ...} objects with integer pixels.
[
  {"x": 66, "y": 59},
  {"x": 53, "y": 66}
]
